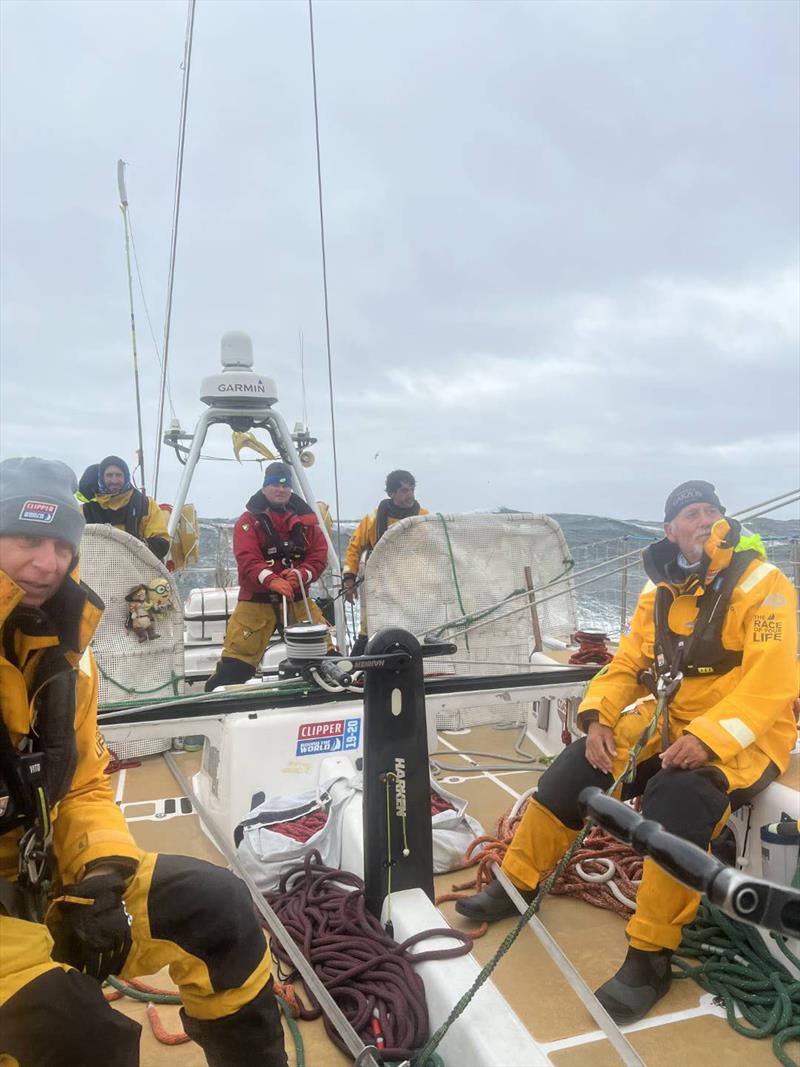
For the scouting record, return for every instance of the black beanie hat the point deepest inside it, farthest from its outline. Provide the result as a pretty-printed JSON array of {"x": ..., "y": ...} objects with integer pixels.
[
  {"x": 690, "y": 493},
  {"x": 37, "y": 499}
]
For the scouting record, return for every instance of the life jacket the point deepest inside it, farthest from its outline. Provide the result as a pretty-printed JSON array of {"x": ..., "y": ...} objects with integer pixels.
[
  {"x": 128, "y": 516},
  {"x": 289, "y": 551},
  {"x": 37, "y": 774},
  {"x": 704, "y": 653}
]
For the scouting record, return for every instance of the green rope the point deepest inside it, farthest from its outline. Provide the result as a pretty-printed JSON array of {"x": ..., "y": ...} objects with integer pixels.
[
  {"x": 467, "y": 621},
  {"x": 173, "y": 683},
  {"x": 443, "y": 521},
  {"x": 544, "y": 889},
  {"x": 735, "y": 965},
  {"x": 172, "y": 998},
  {"x": 294, "y": 1030},
  {"x": 290, "y": 688},
  {"x": 139, "y": 994}
]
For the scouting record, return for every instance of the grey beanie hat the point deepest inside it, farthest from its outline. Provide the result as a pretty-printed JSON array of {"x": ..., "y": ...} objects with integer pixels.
[{"x": 37, "y": 499}]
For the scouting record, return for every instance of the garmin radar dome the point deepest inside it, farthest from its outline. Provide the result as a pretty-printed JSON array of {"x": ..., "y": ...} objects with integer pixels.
[{"x": 239, "y": 386}]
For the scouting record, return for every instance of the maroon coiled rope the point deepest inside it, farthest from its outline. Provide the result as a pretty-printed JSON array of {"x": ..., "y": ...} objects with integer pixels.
[{"x": 364, "y": 969}]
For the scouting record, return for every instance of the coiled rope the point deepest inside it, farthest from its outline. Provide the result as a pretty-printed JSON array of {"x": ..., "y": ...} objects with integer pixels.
[
  {"x": 735, "y": 965},
  {"x": 603, "y": 871},
  {"x": 732, "y": 961},
  {"x": 592, "y": 648},
  {"x": 371, "y": 976}
]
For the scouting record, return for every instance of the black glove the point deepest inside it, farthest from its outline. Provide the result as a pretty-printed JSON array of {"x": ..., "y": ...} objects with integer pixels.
[{"x": 91, "y": 926}]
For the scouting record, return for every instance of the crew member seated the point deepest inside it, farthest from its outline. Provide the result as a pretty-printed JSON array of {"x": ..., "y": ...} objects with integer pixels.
[
  {"x": 79, "y": 900},
  {"x": 112, "y": 499},
  {"x": 280, "y": 550},
  {"x": 401, "y": 504},
  {"x": 728, "y": 731}
]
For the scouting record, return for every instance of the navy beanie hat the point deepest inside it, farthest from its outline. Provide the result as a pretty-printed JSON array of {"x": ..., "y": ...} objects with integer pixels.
[{"x": 690, "y": 493}]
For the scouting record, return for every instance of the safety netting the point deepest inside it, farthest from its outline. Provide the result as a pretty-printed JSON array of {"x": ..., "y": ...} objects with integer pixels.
[
  {"x": 139, "y": 642},
  {"x": 428, "y": 572}
]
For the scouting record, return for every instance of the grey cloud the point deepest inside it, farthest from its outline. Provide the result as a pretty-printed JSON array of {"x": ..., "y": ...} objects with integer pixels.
[{"x": 562, "y": 239}]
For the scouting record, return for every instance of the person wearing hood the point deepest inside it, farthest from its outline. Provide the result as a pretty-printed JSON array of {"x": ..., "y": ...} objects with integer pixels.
[
  {"x": 79, "y": 900},
  {"x": 401, "y": 503},
  {"x": 111, "y": 498},
  {"x": 280, "y": 550},
  {"x": 715, "y": 611}
]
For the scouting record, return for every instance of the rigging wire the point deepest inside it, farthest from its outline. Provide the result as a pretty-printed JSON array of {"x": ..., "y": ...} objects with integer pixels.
[
  {"x": 474, "y": 624},
  {"x": 763, "y": 503},
  {"x": 324, "y": 268},
  {"x": 147, "y": 309},
  {"x": 123, "y": 206},
  {"x": 303, "y": 381},
  {"x": 176, "y": 210},
  {"x": 793, "y": 496},
  {"x": 567, "y": 576}
]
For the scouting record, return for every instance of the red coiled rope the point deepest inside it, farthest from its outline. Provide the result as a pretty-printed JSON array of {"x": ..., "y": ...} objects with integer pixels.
[
  {"x": 593, "y": 648},
  {"x": 603, "y": 872},
  {"x": 371, "y": 977}
]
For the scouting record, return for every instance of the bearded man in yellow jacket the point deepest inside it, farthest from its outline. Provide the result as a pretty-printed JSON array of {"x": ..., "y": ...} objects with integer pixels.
[
  {"x": 718, "y": 612},
  {"x": 112, "y": 499},
  {"x": 401, "y": 503},
  {"x": 78, "y": 899}
]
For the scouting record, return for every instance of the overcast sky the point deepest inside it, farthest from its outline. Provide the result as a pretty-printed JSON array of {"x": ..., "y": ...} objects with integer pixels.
[{"x": 562, "y": 240}]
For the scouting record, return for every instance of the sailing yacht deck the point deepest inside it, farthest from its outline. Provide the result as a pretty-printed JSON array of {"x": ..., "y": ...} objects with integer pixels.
[{"x": 688, "y": 1028}]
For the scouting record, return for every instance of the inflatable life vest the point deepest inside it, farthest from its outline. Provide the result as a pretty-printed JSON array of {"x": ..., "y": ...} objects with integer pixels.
[{"x": 704, "y": 652}]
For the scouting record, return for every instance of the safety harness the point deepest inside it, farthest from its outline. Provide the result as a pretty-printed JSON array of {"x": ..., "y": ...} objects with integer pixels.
[
  {"x": 276, "y": 549},
  {"x": 38, "y": 773},
  {"x": 24, "y": 802},
  {"x": 699, "y": 652},
  {"x": 704, "y": 653}
]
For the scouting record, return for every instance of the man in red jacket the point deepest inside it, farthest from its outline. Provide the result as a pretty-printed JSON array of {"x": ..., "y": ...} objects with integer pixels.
[{"x": 278, "y": 544}]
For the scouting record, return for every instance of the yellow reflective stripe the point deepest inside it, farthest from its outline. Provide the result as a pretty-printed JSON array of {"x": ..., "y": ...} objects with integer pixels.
[
  {"x": 648, "y": 587},
  {"x": 752, "y": 580}
]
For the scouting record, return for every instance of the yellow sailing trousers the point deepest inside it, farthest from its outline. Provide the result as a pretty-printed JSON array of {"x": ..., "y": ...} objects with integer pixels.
[
  {"x": 695, "y": 804},
  {"x": 251, "y": 626}
]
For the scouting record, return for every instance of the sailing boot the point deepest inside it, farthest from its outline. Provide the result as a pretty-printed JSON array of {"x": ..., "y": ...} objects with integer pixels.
[
  {"x": 229, "y": 671},
  {"x": 251, "y": 1037},
  {"x": 641, "y": 982},
  {"x": 360, "y": 645},
  {"x": 492, "y": 903}
]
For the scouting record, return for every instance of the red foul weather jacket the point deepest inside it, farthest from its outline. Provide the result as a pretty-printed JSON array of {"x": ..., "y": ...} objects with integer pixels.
[{"x": 268, "y": 542}]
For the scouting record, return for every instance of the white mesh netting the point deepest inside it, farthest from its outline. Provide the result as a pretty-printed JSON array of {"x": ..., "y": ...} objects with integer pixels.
[
  {"x": 145, "y": 661},
  {"x": 433, "y": 569}
]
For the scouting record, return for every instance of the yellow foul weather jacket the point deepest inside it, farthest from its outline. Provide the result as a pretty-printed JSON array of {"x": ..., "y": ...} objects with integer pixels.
[
  {"x": 737, "y": 714},
  {"x": 87, "y": 824},
  {"x": 152, "y": 524},
  {"x": 364, "y": 539}
]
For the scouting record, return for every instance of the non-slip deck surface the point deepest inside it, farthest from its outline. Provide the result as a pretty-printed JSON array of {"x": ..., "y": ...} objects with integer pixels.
[{"x": 686, "y": 1028}]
